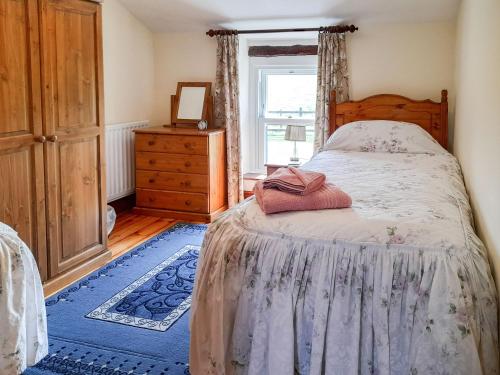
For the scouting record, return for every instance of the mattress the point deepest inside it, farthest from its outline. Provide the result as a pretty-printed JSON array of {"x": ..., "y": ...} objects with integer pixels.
[{"x": 397, "y": 284}]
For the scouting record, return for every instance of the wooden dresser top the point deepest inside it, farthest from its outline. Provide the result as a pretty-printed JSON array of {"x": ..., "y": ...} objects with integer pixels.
[{"x": 178, "y": 131}]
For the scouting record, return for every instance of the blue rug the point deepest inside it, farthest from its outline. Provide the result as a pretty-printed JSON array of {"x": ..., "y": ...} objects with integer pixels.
[{"x": 130, "y": 317}]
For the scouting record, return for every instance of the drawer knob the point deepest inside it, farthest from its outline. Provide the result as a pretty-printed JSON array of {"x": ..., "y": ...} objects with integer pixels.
[
  {"x": 151, "y": 180},
  {"x": 151, "y": 143},
  {"x": 187, "y": 164},
  {"x": 188, "y": 145},
  {"x": 152, "y": 161},
  {"x": 151, "y": 199},
  {"x": 188, "y": 203}
]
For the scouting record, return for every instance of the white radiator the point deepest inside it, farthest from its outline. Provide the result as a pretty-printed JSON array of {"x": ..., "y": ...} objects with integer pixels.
[{"x": 120, "y": 171}]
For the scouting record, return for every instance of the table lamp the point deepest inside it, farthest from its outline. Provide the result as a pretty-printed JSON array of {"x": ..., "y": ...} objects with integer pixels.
[{"x": 295, "y": 133}]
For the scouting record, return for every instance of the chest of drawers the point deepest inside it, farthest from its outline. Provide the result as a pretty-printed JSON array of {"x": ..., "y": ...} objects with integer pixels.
[{"x": 180, "y": 173}]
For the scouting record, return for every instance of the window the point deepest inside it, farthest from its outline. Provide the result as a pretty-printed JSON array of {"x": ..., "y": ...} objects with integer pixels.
[{"x": 285, "y": 97}]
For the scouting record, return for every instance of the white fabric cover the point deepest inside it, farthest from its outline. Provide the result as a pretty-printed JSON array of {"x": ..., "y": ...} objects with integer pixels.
[
  {"x": 383, "y": 136},
  {"x": 23, "y": 324},
  {"x": 397, "y": 284},
  {"x": 111, "y": 219}
]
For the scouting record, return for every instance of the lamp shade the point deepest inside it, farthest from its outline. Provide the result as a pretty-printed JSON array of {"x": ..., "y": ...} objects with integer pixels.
[{"x": 295, "y": 133}]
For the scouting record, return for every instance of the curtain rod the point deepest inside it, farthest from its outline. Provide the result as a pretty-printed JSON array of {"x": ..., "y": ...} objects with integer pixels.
[{"x": 327, "y": 29}]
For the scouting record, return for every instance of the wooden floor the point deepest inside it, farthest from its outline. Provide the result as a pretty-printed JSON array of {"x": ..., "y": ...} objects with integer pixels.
[{"x": 130, "y": 230}]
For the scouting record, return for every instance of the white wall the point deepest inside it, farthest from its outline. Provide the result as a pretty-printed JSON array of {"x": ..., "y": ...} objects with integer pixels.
[
  {"x": 128, "y": 66},
  {"x": 415, "y": 60},
  {"x": 383, "y": 58},
  {"x": 179, "y": 57},
  {"x": 477, "y": 124}
]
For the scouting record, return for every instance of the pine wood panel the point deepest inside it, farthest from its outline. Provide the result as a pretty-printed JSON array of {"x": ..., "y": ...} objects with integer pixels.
[
  {"x": 191, "y": 217},
  {"x": 22, "y": 190},
  {"x": 172, "y": 200},
  {"x": 14, "y": 66},
  {"x": 158, "y": 161},
  {"x": 169, "y": 130},
  {"x": 79, "y": 196},
  {"x": 72, "y": 45},
  {"x": 17, "y": 207},
  {"x": 130, "y": 230},
  {"x": 429, "y": 115},
  {"x": 181, "y": 185},
  {"x": 194, "y": 183},
  {"x": 74, "y": 121},
  {"x": 174, "y": 144},
  {"x": 218, "y": 171}
]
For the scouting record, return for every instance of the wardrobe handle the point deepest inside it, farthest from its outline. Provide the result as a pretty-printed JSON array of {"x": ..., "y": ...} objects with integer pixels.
[
  {"x": 52, "y": 138},
  {"x": 40, "y": 139}
]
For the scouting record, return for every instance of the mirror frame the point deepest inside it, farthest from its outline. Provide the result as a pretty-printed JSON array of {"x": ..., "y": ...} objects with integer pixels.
[{"x": 205, "y": 112}]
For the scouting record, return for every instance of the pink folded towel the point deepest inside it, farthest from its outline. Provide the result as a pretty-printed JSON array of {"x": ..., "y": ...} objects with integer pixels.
[
  {"x": 327, "y": 196},
  {"x": 295, "y": 181}
]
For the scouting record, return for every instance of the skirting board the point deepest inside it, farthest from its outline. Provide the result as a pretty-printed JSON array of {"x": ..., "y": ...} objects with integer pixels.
[
  {"x": 123, "y": 204},
  {"x": 67, "y": 278}
]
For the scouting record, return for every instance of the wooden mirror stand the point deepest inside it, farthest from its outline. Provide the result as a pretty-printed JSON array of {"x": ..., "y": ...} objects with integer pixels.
[{"x": 207, "y": 111}]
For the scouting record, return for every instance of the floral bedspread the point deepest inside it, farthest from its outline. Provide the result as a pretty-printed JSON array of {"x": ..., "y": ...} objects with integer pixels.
[
  {"x": 23, "y": 325},
  {"x": 397, "y": 284}
]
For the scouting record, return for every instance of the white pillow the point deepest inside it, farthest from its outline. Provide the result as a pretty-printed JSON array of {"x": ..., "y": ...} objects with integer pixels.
[{"x": 383, "y": 136}]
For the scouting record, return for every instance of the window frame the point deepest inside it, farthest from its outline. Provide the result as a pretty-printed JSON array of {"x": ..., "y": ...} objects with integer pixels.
[
  {"x": 258, "y": 77},
  {"x": 263, "y": 84}
]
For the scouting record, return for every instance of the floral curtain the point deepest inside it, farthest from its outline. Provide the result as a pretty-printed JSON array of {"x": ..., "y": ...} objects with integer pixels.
[
  {"x": 227, "y": 112},
  {"x": 332, "y": 75}
]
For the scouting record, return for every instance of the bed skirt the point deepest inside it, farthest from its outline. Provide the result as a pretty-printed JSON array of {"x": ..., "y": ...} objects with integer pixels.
[
  {"x": 23, "y": 324},
  {"x": 266, "y": 303}
]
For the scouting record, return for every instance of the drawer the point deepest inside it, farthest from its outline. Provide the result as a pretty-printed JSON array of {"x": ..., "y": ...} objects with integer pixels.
[
  {"x": 193, "y": 183},
  {"x": 159, "y": 161},
  {"x": 173, "y": 144},
  {"x": 172, "y": 200}
]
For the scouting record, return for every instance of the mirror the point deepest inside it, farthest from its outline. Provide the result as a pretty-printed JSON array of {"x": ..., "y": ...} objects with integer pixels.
[{"x": 190, "y": 104}]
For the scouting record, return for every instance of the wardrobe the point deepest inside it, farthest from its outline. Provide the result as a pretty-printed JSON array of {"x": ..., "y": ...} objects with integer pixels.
[{"x": 52, "y": 188}]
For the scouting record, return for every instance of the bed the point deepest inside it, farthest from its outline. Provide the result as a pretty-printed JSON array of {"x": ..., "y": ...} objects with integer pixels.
[
  {"x": 397, "y": 284},
  {"x": 23, "y": 325}
]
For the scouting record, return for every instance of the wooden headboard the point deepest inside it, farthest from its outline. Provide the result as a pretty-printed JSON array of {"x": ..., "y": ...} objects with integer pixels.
[{"x": 431, "y": 116}]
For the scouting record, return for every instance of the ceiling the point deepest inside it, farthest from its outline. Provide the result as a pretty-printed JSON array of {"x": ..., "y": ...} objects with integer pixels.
[{"x": 198, "y": 15}]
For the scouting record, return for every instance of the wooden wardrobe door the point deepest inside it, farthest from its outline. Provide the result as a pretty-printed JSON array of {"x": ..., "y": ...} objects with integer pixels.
[
  {"x": 73, "y": 100},
  {"x": 22, "y": 195}
]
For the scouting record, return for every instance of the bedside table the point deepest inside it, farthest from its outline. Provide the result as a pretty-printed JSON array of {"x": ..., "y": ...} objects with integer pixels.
[
  {"x": 272, "y": 167},
  {"x": 249, "y": 181}
]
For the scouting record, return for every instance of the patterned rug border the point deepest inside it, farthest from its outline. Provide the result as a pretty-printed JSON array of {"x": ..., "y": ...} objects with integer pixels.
[
  {"x": 120, "y": 261},
  {"x": 101, "y": 312},
  {"x": 70, "y": 366},
  {"x": 91, "y": 359}
]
